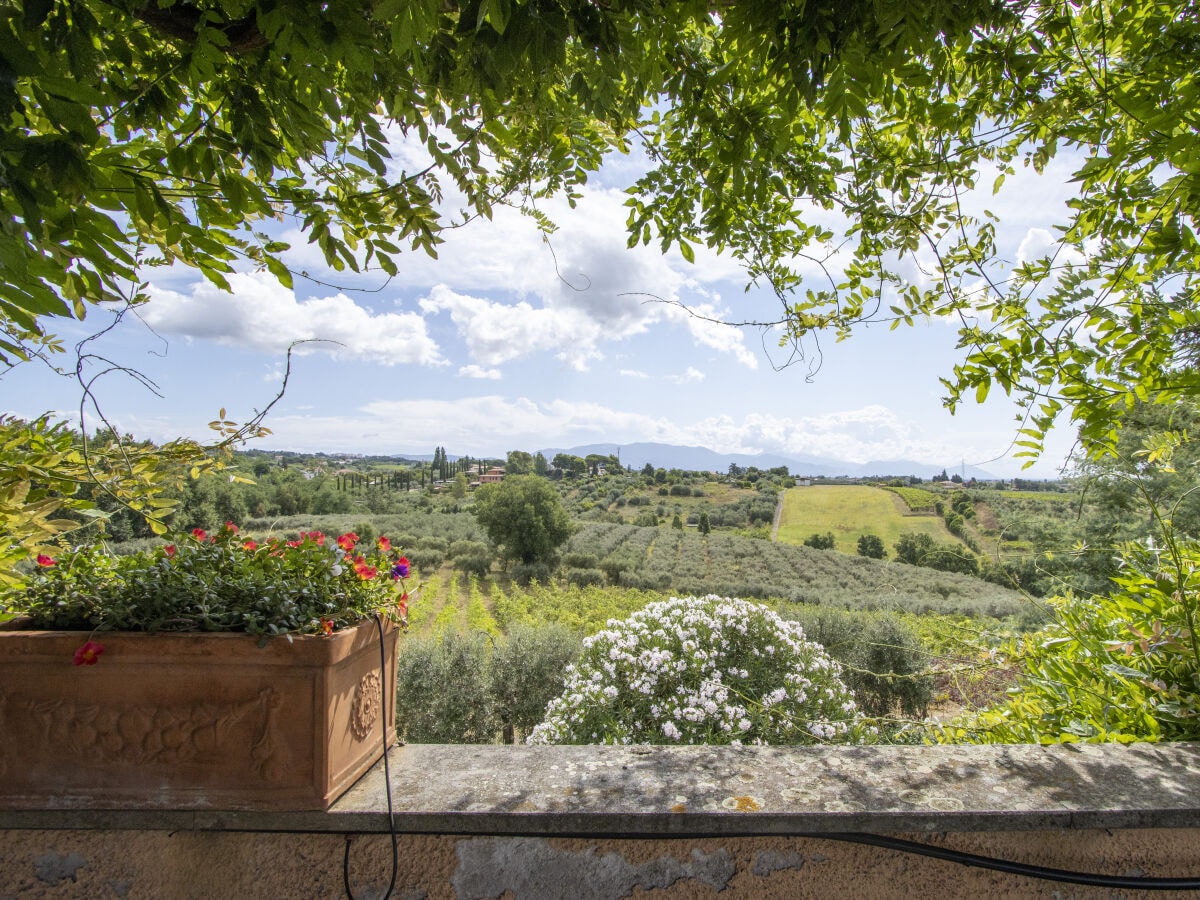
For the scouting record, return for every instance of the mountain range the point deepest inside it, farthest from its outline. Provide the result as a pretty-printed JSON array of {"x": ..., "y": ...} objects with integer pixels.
[{"x": 701, "y": 459}]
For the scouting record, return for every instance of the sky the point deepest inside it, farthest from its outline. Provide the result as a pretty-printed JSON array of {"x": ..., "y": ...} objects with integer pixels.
[{"x": 512, "y": 341}]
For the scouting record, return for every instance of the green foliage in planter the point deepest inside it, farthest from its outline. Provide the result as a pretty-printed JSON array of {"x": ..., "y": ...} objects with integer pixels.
[{"x": 222, "y": 583}]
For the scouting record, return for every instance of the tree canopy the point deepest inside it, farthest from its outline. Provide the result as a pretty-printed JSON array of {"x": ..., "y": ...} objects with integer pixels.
[
  {"x": 524, "y": 515},
  {"x": 838, "y": 137}
]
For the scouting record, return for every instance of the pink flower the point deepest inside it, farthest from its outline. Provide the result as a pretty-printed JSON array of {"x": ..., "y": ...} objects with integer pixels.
[
  {"x": 169, "y": 549},
  {"x": 44, "y": 560},
  {"x": 88, "y": 654},
  {"x": 231, "y": 528}
]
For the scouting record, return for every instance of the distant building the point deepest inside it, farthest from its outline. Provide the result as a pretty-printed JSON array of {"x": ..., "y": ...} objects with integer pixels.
[{"x": 494, "y": 474}]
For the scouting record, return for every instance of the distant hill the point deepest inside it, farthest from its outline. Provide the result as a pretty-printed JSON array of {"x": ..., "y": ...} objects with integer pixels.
[{"x": 701, "y": 459}]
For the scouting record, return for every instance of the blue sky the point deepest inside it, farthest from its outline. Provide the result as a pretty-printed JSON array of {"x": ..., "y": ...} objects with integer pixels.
[{"x": 509, "y": 341}]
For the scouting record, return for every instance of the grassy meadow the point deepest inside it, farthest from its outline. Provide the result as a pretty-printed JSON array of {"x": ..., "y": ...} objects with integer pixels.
[{"x": 849, "y": 511}]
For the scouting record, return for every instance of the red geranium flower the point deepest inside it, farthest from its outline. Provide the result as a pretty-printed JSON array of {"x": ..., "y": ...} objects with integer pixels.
[
  {"x": 229, "y": 526},
  {"x": 313, "y": 536},
  {"x": 88, "y": 654},
  {"x": 250, "y": 545},
  {"x": 199, "y": 534},
  {"x": 384, "y": 544},
  {"x": 364, "y": 571},
  {"x": 44, "y": 560},
  {"x": 347, "y": 541}
]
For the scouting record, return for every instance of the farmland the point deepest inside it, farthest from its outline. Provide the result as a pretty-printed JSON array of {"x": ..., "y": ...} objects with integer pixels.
[{"x": 849, "y": 511}]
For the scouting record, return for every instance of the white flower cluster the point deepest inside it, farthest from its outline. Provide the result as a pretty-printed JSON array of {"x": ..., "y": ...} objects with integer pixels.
[{"x": 701, "y": 670}]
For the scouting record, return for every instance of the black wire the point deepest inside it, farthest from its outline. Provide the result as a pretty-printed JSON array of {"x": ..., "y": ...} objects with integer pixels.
[
  {"x": 387, "y": 778},
  {"x": 1003, "y": 865}
]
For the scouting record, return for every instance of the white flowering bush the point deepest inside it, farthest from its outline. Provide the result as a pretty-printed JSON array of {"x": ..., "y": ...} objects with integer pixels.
[{"x": 708, "y": 670}]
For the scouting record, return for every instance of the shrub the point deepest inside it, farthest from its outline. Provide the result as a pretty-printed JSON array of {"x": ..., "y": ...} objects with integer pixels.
[
  {"x": 426, "y": 558},
  {"x": 887, "y": 670},
  {"x": 585, "y": 577},
  {"x": 1117, "y": 667},
  {"x": 871, "y": 546},
  {"x": 581, "y": 560},
  {"x": 824, "y": 541},
  {"x": 527, "y": 671},
  {"x": 708, "y": 670},
  {"x": 443, "y": 690},
  {"x": 526, "y": 573}
]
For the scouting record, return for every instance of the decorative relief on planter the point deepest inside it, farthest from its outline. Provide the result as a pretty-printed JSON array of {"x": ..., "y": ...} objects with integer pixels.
[
  {"x": 365, "y": 712},
  {"x": 157, "y": 736}
]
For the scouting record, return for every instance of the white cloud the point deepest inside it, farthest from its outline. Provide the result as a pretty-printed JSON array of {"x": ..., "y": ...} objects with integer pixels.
[
  {"x": 260, "y": 314},
  {"x": 692, "y": 374},
  {"x": 474, "y": 371},
  {"x": 633, "y": 373},
  {"x": 857, "y": 435}
]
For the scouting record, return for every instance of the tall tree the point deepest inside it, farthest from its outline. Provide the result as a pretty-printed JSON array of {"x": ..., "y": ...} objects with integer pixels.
[
  {"x": 524, "y": 515},
  {"x": 519, "y": 463}
]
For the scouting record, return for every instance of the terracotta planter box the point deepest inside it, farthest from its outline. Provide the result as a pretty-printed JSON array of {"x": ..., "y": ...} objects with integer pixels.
[{"x": 190, "y": 721}]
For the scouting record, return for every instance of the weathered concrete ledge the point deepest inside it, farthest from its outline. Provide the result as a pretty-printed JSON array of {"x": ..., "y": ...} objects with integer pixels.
[{"x": 635, "y": 792}]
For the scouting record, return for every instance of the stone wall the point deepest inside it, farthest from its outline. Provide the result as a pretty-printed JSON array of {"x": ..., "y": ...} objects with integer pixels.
[{"x": 595, "y": 822}]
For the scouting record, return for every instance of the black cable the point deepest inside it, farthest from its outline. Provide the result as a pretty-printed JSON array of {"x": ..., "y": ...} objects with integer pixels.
[
  {"x": 387, "y": 778},
  {"x": 1132, "y": 882}
]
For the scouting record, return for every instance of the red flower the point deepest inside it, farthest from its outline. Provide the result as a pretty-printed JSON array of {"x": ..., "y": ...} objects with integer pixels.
[
  {"x": 384, "y": 544},
  {"x": 347, "y": 541},
  {"x": 327, "y": 626},
  {"x": 231, "y": 528},
  {"x": 363, "y": 570},
  {"x": 250, "y": 545},
  {"x": 401, "y": 569},
  {"x": 402, "y": 605},
  {"x": 88, "y": 654},
  {"x": 169, "y": 549},
  {"x": 313, "y": 536},
  {"x": 44, "y": 561},
  {"x": 294, "y": 543},
  {"x": 199, "y": 534}
]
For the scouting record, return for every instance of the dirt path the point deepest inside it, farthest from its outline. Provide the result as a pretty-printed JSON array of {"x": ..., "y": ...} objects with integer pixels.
[{"x": 778, "y": 516}]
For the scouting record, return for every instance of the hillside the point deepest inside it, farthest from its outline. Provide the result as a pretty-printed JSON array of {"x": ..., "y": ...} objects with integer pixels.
[{"x": 684, "y": 562}]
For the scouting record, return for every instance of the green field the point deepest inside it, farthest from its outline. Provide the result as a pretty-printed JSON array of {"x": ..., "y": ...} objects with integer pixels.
[{"x": 850, "y": 511}]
